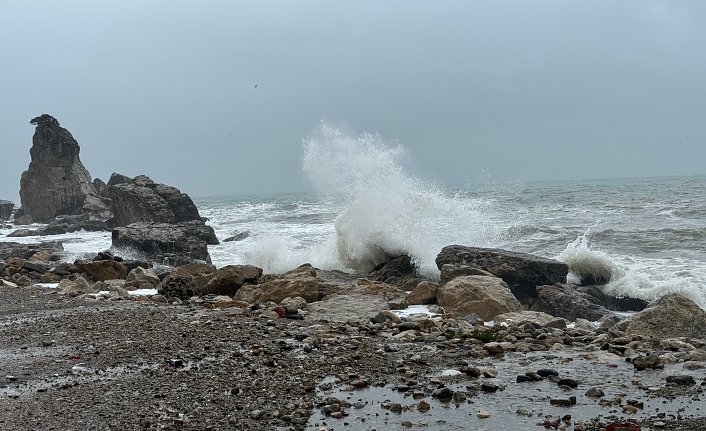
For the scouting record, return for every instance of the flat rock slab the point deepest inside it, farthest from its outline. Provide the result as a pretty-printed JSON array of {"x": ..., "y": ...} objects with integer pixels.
[{"x": 342, "y": 308}]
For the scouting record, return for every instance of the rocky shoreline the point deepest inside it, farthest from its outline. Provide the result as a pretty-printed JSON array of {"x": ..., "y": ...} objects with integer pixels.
[
  {"x": 151, "y": 335},
  {"x": 232, "y": 348}
]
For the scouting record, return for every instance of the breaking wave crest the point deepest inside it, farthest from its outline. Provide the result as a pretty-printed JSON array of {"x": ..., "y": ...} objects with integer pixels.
[
  {"x": 386, "y": 211},
  {"x": 585, "y": 263}
]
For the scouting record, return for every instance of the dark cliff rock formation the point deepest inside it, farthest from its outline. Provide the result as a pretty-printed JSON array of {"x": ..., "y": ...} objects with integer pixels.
[
  {"x": 140, "y": 199},
  {"x": 56, "y": 182},
  {"x": 6, "y": 208}
]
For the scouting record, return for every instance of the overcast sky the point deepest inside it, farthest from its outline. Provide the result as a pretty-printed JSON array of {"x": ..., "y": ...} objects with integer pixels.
[{"x": 514, "y": 90}]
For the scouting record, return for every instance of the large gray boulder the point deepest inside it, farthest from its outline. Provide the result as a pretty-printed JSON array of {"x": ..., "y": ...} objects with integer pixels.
[
  {"x": 521, "y": 271},
  {"x": 671, "y": 316},
  {"x": 140, "y": 199},
  {"x": 567, "y": 302},
  {"x": 6, "y": 208},
  {"x": 56, "y": 181},
  {"x": 484, "y": 296},
  {"x": 173, "y": 244},
  {"x": 297, "y": 282}
]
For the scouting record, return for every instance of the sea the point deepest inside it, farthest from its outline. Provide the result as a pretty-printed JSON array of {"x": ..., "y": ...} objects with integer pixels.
[{"x": 646, "y": 236}]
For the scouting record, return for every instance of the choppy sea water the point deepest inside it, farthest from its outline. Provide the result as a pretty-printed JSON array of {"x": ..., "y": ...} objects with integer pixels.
[{"x": 646, "y": 235}]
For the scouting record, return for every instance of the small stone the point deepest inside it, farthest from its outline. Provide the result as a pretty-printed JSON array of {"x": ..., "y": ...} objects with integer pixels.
[
  {"x": 423, "y": 406},
  {"x": 443, "y": 393},
  {"x": 681, "y": 380},
  {"x": 396, "y": 408},
  {"x": 571, "y": 383},
  {"x": 359, "y": 384},
  {"x": 560, "y": 402},
  {"x": 489, "y": 387},
  {"x": 256, "y": 414},
  {"x": 483, "y": 414},
  {"x": 594, "y": 393},
  {"x": 631, "y": 410},
  {"x": 337, "y": 415},
  {"x": 650, "y": 361},
  {"x": 494, "y": 347}
]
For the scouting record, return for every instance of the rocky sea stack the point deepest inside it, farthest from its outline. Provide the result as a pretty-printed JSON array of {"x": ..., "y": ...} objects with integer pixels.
[
  {"x": 57, "y": 189},
  {"x": 56, "y": 182}
]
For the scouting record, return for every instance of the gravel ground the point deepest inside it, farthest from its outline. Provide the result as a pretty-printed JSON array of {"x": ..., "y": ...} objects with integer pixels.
[{"x": 78, "y": 364}]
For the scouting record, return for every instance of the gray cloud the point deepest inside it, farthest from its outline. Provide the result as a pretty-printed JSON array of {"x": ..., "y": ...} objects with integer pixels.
[{"x": 516, "y": 89}]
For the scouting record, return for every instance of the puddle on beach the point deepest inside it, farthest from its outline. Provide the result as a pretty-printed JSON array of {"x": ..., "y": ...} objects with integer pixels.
[
  {"x": 599, "y": 369},
  {"x": 19, "y": 385}
]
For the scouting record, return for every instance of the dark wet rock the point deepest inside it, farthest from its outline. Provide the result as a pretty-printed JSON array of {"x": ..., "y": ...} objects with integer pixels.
[
  {"x": 238, "y": 236},
  {"x": 443, "y": 393},
  {"x": 471, "y": 371},
  {"x": 174, "y": 244},
  {"x": 56, "y": 181},
  {"x": 596, "y": 294},
  {"x": 398, "y": 271},
  {"x": 563, "y": 402},
  {"x": 481, "y": 295},
  {"x": 565, "y": 301},
  {"x": 489, "y": 387},
  {"x": 671, "y": 316},
  {"x": 684, "y": 380},
  {"x": 6, "y": 208},
  {"x": 650, "y": 361},
  {"x": 595, "y": 393},
  {"x": 522, "y": 272},
  {"x": 38, "y": 267},
  {"x": 178, "y": 285},
  {"x": 544, "y": 372},
  {"x": 524, "y": 379},
  {"x": 571, "y": 383}
]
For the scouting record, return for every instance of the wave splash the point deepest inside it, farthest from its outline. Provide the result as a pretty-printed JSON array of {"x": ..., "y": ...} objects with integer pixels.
[
  {"x": 632, "y": 276},
  {"x": 587, "y": 264},
  {"x": 387, "y": 212}
]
